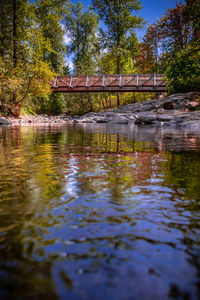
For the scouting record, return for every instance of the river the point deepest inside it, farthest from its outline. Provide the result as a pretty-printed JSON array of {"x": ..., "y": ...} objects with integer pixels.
[{"x": 97, "y": 212}]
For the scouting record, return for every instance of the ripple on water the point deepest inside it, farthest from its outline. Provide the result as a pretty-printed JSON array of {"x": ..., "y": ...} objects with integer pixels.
[{"x": 88, "y": 213}]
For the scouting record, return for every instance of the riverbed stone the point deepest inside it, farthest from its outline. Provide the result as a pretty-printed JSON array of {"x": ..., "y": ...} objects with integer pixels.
[
  {"x": 84, "y": 120},
  {"x": 102, "y": 120},
  {"x": 174, "y": 110},
  {"x": 146, "y": 119},
  {"x": 5, "y": 121},
  {"x": 166, "y": 118},
  {"x": 119, "y": 120}
]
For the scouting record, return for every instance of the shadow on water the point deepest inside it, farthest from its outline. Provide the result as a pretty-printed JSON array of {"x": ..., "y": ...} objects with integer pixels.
[{"x": 98, "y": 212}]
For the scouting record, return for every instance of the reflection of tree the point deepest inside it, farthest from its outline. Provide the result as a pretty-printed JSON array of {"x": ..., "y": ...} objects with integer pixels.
[
  {"x": 182, "y": 172},
  {"x": 42, "y": 169},
  {"x": 29, "y": 181}
]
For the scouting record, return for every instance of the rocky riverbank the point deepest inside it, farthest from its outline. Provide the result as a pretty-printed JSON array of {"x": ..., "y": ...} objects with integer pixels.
[
  {"x": 39, "y": 119},
  {"x": 175, "y": 110}
]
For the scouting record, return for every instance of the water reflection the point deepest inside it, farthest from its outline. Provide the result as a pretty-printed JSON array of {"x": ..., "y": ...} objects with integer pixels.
[{"x": 97, "y": 212}]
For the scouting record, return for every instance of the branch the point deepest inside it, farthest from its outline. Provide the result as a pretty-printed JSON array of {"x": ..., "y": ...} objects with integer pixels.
[{"x": 29, "y": 83}]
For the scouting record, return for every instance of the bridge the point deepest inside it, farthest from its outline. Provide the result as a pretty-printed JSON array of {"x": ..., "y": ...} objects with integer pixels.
[{"x": 110, "y": 83}]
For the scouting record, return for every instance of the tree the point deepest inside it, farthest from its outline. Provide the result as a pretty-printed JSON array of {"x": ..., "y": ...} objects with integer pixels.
[
  {"x": 170, "y": 47},
  {"x": 174, "y": 29},
  {"x": 180, "y": 52},
  {"x": 120, "y": 23},
  {"x": 82, "y": 29},
  {"x": 170, "y": 34},
  {"x": 81, "y": 26},
  {"x": 49, "y": 14},
  {"x": 23, "y": 71},
  {"x": 146, "y": 60},
  {"x": 192, "y": 14}
]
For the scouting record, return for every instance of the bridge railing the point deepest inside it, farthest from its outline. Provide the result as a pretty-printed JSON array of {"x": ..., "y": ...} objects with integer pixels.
[
  {"x": 110, "y": 80},
  {"x": 110, "y": 83}
]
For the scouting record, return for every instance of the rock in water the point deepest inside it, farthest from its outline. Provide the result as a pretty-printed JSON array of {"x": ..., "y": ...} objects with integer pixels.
[
  {"x": 5, "y": 121},
  {"x": 119, "y": 120},
  {"x": 146, "y": 119}
]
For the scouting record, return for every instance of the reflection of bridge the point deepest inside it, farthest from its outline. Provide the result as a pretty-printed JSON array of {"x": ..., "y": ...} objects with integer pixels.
[{"x": 110, "y": 83}]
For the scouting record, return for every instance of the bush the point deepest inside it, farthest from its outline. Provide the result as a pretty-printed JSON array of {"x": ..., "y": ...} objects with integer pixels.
[{"x": 54, "y": 104}]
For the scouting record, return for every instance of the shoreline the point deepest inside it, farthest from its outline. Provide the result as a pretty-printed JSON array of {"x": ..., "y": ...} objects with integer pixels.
[
  {"x": 175, "y": 110},
  {"x": 36, "y": 119}
]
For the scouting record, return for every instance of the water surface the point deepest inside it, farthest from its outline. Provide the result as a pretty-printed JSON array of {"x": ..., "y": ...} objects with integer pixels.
[{"x": 97, "y": 212}]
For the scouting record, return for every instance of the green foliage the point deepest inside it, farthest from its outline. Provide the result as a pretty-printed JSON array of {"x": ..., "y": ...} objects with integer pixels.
[
  {"x": 32, "y": 51},
  {"x": 24, "y": 73},
  {"x": 171, "y": 46},
  {"x": 183, "y": 70},
  {"x": 120, "y": 23},
  {"x": 49, "y": 14},
  {"x": 53, "y": 104},
  {"x": 192, "y": 14},
  {"x": 109, "y": 60},
  {"x": 82, "y": 28}
]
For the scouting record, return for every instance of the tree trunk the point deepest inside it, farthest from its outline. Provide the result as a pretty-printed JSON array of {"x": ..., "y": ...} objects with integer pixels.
[
  {"x": 118, "y": 72},
  {"x": 16, "y": 110},
  {"x": 118, "y": 100},
  {"x": 106, "y": 100},
  {"x": 110, "y": 102},
  {"x": 90, "y": 102},
  {"x": 102, "y": 102},
  {"x": 14, "y": 34}
]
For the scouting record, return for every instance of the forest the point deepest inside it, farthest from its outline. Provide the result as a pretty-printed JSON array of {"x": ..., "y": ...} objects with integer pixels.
[{"x": 33, "y": 50}]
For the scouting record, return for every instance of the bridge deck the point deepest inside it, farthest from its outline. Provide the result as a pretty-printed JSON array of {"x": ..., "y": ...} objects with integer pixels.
[{"x": 110, "y": 83}]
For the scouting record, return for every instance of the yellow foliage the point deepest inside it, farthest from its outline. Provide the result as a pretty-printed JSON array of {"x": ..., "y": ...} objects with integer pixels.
[{"x": 32, "y": 79}]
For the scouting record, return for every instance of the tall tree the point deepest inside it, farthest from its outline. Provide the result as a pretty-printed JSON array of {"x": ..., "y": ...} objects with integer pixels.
[
  {"x": 82, "y": 28},
  {"x": 108, "y": 59},
  {"x": 173, "y": 41},
  {"x": 23, "y": 72},
  {"x": 120, "y": 22},
  {"x": 13, "y": 37},
  {"x": 192, "y": 14},
  {"x": 5, "y": 28},
  {"x": 49, "y": 14},
  {"x": 146, "y": 59},
  {"x": 174, "y": 29}
]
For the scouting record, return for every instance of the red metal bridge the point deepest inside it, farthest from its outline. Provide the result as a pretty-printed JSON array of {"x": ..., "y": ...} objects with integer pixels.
[{"x": 110, "y": 83}]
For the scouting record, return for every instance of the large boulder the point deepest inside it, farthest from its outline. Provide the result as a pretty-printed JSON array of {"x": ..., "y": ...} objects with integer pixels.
[{"x": 181, "y": 101}]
